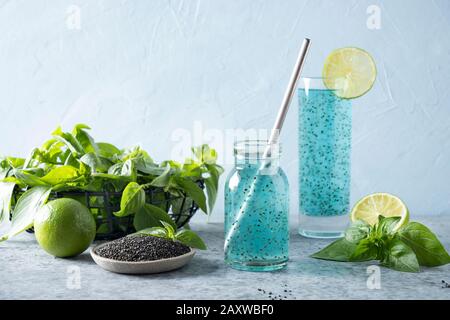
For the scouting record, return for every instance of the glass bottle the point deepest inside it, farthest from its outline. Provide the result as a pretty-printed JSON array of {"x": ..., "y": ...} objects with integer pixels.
[{"x": 256, "y": 209}]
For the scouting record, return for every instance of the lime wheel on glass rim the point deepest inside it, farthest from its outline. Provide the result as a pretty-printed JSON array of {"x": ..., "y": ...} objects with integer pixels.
[{"x": 351, "y": 72}]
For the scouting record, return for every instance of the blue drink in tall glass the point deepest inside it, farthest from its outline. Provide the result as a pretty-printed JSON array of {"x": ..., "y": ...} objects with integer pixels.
[{"x": 325, "y": 130}]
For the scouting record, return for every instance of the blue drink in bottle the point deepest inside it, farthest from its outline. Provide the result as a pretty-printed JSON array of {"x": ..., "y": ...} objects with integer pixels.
[{"x": 257, "y": 209}]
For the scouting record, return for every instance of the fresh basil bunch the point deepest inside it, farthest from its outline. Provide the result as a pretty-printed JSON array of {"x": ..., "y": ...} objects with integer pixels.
[
  {"x": 406, "y": 249},
  {"x": 75, "y": 161}
]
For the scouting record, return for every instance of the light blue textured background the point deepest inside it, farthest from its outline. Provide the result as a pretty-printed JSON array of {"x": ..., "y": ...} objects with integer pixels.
[{"x": 137, "y": 71}]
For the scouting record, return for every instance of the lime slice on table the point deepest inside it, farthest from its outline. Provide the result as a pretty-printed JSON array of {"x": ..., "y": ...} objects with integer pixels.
[
  {"x": 349, "y": 71},
  {"x": 370, "y": 207}
]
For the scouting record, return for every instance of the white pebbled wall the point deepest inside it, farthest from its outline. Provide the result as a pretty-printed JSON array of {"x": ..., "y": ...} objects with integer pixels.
[{"x": 147, "y": 71}]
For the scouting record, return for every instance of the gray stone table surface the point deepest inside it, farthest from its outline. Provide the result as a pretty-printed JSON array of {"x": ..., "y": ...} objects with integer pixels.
[{"x": 27, "y": 272}]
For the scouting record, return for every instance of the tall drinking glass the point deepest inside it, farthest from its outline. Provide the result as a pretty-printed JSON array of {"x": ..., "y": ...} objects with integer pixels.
[{"x": 325, "y": 131}]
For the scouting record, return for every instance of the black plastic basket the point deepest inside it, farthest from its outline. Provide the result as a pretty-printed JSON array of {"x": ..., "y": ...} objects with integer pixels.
[{"x": 103, "y": 204}]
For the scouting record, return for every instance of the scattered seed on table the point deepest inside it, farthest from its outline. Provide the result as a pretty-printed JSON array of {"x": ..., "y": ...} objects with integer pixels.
[{"x": 141, "y": 248}]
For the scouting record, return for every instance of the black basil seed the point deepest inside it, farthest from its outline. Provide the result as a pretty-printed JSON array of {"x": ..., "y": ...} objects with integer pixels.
[{"x": 142, "y": 248}]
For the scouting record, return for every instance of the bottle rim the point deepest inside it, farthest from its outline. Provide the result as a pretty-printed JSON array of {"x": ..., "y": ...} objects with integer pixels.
[{"x": 256, "y": 149}]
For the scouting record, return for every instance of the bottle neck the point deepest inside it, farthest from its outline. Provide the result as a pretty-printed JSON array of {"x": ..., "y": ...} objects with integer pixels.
[{"x": 256, "y": 153}]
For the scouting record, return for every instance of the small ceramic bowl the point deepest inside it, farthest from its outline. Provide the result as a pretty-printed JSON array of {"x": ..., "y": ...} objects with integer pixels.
[{"x": 141, "y": 267}]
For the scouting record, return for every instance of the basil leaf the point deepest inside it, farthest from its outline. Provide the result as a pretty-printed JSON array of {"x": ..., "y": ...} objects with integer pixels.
[
  {"x": 429, "y": 250},
  {"x": 135, "y": 154},
  {"x": 33, "y": 155},
  {"x": 51, "y": 151},
  {"x": 25, "y": 210},
  {"x": 386, "y": 225},
  {"x": 399, "y": 256},
  {"x": 24, "y": 178},
  {"x": 69, "y": 141},
  {"x": 151, "y": 216},
  {"x": 163, "y": 179},
  {"x": 365, "y": 250},
  {"x": 190, "y": 239},
  {"x": 193, "y": 191},
  {"x": 85, "y": 140},
  {"x": 191, "y": 168},
  {"x": 107, "y": 150},
  {"x": 116, "y": 169},
  {"x": 6, "y": 193},
  {"x": 96, "y": 163},
  {"x": 149, "y": 167},
  {"x": 339, "y": 250},
  {"x": 170, "y": 230},
  {"x": 172, "y": 163},
  {"x": 124, "y": 169},
  {"x": 357, "y": 231},
  {"x": 80, "y": 126},
  {"x": 71, "y": 160},
  {"x": 4, "y": 173},
  {"x": 61, "y": 175},
  {"x": 205, "y": 154},
  {"x": 212, "y": 185},
  {"x": 154, "y": 232},
  {"x": 133, "y": 199},
  {"x": 15, "y": 162},
  {"x": 129, "y": 170}
]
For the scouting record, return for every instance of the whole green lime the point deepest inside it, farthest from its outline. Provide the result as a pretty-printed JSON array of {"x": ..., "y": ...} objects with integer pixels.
[{"x": 64, "y": 227}]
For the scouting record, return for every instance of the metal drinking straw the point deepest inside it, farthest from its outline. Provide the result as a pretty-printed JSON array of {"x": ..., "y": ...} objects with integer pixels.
[{"x": 284, "y": 107}]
